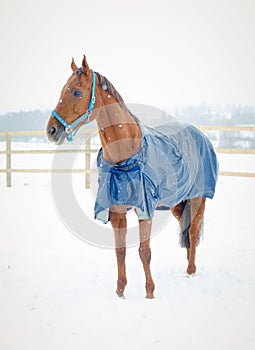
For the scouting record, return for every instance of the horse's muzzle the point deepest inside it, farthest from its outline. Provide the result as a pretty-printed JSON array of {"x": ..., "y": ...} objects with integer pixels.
[{"x": 55, "y": 133}]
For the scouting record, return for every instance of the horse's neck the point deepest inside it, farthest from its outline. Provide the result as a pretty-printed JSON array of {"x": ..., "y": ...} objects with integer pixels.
[{"x": 119, "y": 132}]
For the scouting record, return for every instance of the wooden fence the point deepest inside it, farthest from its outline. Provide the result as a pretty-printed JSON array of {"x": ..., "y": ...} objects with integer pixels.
[{"x": 8, "y": 152}]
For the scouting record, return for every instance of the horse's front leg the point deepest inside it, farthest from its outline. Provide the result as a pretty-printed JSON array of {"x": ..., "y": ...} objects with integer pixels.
[
  {"x": 145, "y": 255},
  {"x": 119, "y": 224}
]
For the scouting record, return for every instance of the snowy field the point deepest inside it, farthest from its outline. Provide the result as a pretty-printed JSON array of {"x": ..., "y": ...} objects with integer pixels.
[{"x": 57, "y": 292}]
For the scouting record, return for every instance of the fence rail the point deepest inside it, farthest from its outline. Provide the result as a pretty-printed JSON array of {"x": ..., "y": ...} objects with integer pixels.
[{"x": 8, "y": 152}]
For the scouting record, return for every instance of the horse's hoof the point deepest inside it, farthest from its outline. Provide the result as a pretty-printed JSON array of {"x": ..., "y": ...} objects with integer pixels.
[
  {"x": 191, "y": 270},
  {"x": 150, "y": 296},
  {"x": 120, "y": 295},
  {"x": 190, "y": 275}
]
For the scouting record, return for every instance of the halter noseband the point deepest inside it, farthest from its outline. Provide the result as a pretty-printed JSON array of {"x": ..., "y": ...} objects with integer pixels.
[{"x": 70, "y": 128}]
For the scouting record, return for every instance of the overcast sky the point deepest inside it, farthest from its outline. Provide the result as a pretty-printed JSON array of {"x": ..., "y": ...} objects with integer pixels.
[{"x": 160, "y": 53}]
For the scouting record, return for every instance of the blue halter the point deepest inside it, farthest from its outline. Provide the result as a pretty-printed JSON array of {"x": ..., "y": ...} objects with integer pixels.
[{"x": 70, "y": 128}]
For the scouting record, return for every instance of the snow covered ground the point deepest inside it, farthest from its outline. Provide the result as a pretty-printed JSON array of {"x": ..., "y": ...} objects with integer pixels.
[{"x": 57, "y": 292}]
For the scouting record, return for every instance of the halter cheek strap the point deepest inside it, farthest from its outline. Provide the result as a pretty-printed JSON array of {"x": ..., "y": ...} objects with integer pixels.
[{"x": 85, "y": 117}]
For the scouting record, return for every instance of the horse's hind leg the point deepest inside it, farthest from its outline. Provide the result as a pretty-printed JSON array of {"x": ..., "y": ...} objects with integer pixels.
[
  {"x": 197, "y": 208},
  {"x": 145, "y": 255},
  {"x": 119, "y": 224}
]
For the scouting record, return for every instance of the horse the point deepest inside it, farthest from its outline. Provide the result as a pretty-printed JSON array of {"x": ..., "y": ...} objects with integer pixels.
[{"x": 173, "y": 167}]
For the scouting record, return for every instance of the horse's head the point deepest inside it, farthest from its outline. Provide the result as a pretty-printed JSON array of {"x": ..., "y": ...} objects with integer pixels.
[{"x": 75, "y": 101}]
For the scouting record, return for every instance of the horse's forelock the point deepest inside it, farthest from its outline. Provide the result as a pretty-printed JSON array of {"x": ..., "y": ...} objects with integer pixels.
[{"x": 79, "y": 72}]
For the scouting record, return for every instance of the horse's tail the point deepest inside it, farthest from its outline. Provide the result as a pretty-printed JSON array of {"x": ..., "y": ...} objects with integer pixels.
[{"x": 185, "y": 226}]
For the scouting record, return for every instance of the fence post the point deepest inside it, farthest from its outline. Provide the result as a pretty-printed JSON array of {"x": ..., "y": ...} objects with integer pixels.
[
  {"x": 8, "y": 160},
  {"x": 87, "y": 160}
]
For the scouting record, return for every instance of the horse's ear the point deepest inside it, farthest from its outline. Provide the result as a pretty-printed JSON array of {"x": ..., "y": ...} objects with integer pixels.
[
  {"x": 73, "y": 66},
  {"x": 85, "y": 66}
]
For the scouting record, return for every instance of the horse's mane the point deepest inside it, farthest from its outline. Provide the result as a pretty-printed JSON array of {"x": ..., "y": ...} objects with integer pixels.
[{"x": 106, "y": 85}]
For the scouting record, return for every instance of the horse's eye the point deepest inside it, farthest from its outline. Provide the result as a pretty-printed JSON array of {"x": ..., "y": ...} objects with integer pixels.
[{"x": 77, "y": 93}]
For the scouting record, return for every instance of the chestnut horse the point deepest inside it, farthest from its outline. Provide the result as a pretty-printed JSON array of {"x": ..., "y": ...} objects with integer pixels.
[{"x": 89, "y": 96}]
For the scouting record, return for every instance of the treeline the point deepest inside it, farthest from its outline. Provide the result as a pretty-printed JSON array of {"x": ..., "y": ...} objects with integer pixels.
[
  {"x": 213, "y": 114},
  {"x": 24, "y": 120},
  {"x": 203, "y": 114},
  {"x": 197, "y": 115}
]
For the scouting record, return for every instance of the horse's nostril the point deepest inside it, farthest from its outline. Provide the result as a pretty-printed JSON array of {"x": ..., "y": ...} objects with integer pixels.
[{"x": 52, "y": 130}]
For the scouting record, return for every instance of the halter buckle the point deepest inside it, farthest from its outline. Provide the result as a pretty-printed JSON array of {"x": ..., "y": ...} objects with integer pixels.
[
  {"x": 89, "y": 113},
  {"x": 68, "y": 129}
]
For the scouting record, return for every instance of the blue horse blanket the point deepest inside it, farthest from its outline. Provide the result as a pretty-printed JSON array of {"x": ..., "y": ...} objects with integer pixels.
[{"x": 174, "y": 163}]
